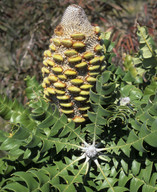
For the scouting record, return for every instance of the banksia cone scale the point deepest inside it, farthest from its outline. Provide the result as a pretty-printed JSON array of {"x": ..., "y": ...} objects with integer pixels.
[{"x": 72, "y": 63}]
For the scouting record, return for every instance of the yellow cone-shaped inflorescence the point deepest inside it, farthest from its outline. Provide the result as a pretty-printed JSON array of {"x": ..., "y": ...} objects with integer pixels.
[{"x": 72, "y": 63}]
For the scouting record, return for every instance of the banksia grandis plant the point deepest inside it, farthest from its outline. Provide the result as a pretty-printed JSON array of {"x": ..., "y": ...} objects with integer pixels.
[
  {"x": 113, "y": 152},
  {"x": 71, "y": 64}
]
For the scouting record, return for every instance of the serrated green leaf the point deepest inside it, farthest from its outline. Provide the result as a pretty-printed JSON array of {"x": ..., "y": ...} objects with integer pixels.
[
  {"x": 41, "y": 176},
  {"x": 118, "y": 189},
  {"x": 146, "y": 52},
  {"x": 124, "y": 166},
  {"x": 9, "y": 144},
  {"x": 128, "y": 77},
  {"x": 142, "y": 33},
  {"x": 147, "y": 188},
  {"x": 123, "y": 178},
  {"x": 16, "y": 187},
  {"x": 135, "y": 185},
  {"x": 135, "y": 167},
  {"x": 29, "y": 180},
  {"x": 136, "y": 61},
  {"x": 34, "y": 141},
  {"x": 94, "y": 118}
]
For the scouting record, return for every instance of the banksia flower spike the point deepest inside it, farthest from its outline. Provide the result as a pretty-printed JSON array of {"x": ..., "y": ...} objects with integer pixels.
[{"x": 72, "y": 63}]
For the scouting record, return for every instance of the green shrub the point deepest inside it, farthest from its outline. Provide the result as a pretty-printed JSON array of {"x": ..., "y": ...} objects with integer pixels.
[{"x": 114, "y": 151}]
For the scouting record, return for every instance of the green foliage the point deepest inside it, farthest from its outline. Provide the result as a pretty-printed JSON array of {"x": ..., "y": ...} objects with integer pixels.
[{"x": 114, "y": 151}]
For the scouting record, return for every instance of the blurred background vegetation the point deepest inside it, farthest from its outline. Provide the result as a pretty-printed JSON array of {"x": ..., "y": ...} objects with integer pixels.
[{"x": 26, "y": 27}]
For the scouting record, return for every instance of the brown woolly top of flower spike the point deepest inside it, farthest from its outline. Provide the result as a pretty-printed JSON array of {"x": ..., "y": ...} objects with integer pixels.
[{"x": 75, "y": 19}]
